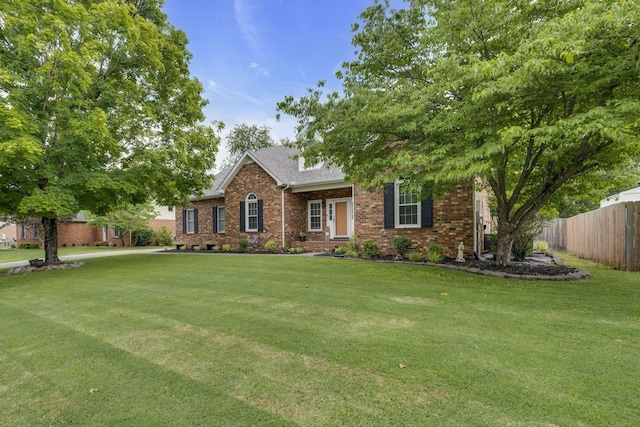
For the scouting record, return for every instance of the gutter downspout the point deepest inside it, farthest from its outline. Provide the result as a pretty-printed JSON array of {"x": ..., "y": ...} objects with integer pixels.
[{"x": 282, "y": 207}]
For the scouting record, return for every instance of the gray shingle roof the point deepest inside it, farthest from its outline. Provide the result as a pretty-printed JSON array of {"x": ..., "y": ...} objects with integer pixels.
[{"x": 279, "y": 162}]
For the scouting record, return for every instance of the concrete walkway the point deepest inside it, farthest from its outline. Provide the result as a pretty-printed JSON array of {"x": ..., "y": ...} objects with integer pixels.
[{"x": 13, "y": 264}]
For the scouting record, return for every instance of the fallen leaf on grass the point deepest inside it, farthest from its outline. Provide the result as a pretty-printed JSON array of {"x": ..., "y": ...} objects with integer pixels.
[
  {"x": 93, "y": 390},
  {"x": 444, "y": 294},
  {"x": 401, "y": 366}
]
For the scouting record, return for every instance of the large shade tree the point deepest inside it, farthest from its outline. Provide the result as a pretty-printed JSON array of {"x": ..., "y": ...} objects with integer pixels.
[
  {"x": 97, "y": 110},
  {"x": 536, "y": 98}
]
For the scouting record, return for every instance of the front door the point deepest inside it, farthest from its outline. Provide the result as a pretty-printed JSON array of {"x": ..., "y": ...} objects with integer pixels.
[{"x": 342, "y": 229}]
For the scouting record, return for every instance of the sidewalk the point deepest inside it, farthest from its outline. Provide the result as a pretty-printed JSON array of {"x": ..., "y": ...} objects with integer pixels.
[{"x": 13, "y": 264}]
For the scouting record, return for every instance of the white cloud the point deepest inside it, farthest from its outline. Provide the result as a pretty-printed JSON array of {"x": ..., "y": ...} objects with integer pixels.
[
  {"x": 246, "y": 12},
  {"x": 258, "y": 69},
  {"x": 228, "y": 93}
]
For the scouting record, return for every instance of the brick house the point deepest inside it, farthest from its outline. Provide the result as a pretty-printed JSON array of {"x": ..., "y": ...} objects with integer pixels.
[
  {"x": 78, "y": 232},
  {"x": 270, "y": 195}
]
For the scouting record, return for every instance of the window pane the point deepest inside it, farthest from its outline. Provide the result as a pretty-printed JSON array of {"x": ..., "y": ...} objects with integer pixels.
[
  {"x": 191, "y": 220},
  {"x": 253, "y": 223},
  {"x": 408, "y": 215},
  {"x": 221, "y": 220}
]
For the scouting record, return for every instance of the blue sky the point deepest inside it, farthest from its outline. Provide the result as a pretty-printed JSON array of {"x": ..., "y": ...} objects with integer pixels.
[{"x": 250, "y": 54}]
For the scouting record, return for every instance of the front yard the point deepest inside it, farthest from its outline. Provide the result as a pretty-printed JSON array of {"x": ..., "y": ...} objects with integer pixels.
[{"x": 276, "y": 340}]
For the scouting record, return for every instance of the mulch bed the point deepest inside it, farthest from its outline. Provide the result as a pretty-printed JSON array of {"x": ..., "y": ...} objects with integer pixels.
[{"x": 527, "y": 270}]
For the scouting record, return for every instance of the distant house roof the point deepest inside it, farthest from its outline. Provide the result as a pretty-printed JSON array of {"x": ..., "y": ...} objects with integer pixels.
[
  {"x": 631, "y": 195},
  {"x": 280, "y": 163}
]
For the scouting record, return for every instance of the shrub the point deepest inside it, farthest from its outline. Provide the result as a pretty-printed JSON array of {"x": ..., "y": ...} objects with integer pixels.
[
  {"x": 142, "y": 237},
  {"x": 351, "y": 253},
  {"x": 64, "y": 245},
  {"x": 271, "y": 247},
  {"x": 401, "y": 244},
  {"x": 195, "y": 247},
  {"x": 163, "y": 236},
  {"x": 540, "y": 246},
  {"x": 215, "y": 248},
  {"x": 29, "y": 246},
  {"x": 341, "y": 250},
  {"x": 436, "y": 253},
  {"x": 370, "y": 249},
  {"x": 291, "y": 250},
  {"x": 226, "y": 248},
  {"x": 243, "y": 244},
  {"x": 416, "y": 257},
  {"x": 353, "y": 244},
  {"x": 299, "y": 250}
]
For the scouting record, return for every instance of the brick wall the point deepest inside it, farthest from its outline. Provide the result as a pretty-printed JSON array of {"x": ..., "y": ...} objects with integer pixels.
[
  {"x": 79, "y": 233},
  {"x": 250, "y": 179},
  {"x": 452, "y": 222},
  {"x": 452, "y": 216}
]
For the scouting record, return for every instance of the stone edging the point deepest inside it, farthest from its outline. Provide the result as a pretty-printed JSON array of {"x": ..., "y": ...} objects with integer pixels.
[
  {"x": 31, "y": 269},
  {"x": 577, "y": 275}
]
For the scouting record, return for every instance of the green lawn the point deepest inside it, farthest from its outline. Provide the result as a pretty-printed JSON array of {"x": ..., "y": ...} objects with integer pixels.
[
  {"x": 9, "y": 254},
  {"x": 186, "y": 340}
]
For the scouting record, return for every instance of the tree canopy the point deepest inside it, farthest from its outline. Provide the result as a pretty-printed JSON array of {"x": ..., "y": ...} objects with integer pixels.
[
  {"x": 244, "y": 137},
  {"x": 97, "y": 110},
  {"x": 126, "y": 220},
  {"x": 537, "y": 98}
]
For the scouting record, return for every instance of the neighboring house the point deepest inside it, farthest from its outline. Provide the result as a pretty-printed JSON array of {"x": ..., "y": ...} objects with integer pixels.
[
  {"x": 631, "y": 195},
  {"x": 268, "y": 195},
  {"x": 7, "y": 234},
  {"x": 78, "y": 232}
]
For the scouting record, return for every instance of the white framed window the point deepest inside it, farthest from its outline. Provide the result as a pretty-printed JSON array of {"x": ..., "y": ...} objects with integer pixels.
[
  {"x": 252, "y": 212},
  {"x": 22, "y": 231},
  {"x": 191, "y": 221},
  {"x": 170, "y": 208},
  {"x": 314, "y": 209},
  {"x": 407, "y": 207},
  {"x": 220, "y": 219}
]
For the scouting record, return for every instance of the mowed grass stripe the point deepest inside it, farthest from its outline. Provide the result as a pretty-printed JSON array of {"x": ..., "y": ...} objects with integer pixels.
[
  {"x": 321, "y": 341},
  {"x": 306, "y": 385}
]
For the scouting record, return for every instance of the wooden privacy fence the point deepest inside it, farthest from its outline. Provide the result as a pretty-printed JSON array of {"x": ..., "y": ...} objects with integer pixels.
[{"x": 609, "y": 235}]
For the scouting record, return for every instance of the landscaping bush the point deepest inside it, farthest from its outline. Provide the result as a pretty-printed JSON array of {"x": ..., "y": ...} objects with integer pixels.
[
  {"x": 341, "y": 250},
  {"x": 299, "y": 250},
  {"x": 401, "y": 244},
  {"x": 163, "y": 237},
  {"x": 416, "y": 257},
  {"x": 540, "y": 246},
  {"x": 243, "y": 245},
  {"x": 226, "y": 248},
  {"x": 351, "y": 253},
  {"x": 29, "y": 246},
  {"x": 370, "y": 249},
  {"x": 271, "y": 247},
  {"x": 291, "y": 250},
  {"x": 436, "y": 253},
  {"x": 142, "y": 237}
]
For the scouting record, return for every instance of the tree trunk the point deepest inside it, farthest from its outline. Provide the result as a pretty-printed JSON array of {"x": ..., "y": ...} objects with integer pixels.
[
  {"x": 505, "y": 242},
  {"x": 50, "y": 226}
]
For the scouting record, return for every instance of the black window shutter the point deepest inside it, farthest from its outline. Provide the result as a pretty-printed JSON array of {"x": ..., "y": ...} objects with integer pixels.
[
  {"x": 184, "y": 221},
  {"x": 426, "y": 211},
  {"x": 260, "y": 222},
  {"x": 389, "y": 208},
  {"x": 215, "y": 219},
  {"x": 242, "y": 228},
  {"x": 195, "y": 221}
]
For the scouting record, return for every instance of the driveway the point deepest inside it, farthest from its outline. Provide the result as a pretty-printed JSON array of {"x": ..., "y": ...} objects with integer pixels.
[{"x": 13, "y": 264}]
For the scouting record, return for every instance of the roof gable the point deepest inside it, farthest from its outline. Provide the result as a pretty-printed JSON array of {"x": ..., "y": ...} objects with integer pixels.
[{"x": 282, "y": 165}]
